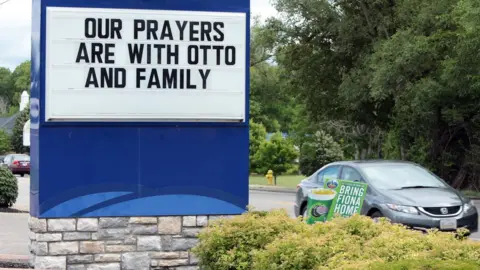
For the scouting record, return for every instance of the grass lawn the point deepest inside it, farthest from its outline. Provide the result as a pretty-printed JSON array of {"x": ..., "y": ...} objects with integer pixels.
[
  {"x": 471, "y": 193},
  {"x": 290, "y": 181}
]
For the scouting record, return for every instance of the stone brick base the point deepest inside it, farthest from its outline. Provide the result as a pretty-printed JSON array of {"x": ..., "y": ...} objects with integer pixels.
[{"x": 120, "y": 243}]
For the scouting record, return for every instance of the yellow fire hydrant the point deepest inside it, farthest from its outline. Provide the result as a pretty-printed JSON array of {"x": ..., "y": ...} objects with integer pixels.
[{"x": 269, "y": 177}]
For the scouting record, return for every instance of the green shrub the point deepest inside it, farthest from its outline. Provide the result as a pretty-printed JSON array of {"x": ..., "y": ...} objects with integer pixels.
[
  {"x": 5, "y": 143},
  {"x": 277, "y": 154},
  {"x": 425, "y": 265},
  {"x": 272, "y": 240},
  {"x": 230, "y": 243},
  {"x": 8, "y": 188}
]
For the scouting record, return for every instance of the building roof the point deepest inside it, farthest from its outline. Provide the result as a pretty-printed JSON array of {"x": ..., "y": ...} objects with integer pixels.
[{"x": 7, "y": 123}]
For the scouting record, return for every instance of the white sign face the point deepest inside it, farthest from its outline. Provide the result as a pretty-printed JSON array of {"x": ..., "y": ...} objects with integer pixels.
[{"x": 144, "y": 65}]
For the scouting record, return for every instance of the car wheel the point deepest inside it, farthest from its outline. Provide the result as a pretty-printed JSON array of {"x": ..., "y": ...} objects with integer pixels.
[
  {"x": 304, "y": 214},
  {"x": 22, "y": 175},
  {"x": 375, "y": 216}
]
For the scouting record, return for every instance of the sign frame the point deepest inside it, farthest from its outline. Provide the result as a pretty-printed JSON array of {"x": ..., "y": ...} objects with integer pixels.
[{"x": 110, "y": 168}]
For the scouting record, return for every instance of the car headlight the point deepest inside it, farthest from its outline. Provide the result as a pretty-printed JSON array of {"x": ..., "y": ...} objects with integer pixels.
[
  {"x": 403, "y": 209},
  {"x": 468, "y": 206}
]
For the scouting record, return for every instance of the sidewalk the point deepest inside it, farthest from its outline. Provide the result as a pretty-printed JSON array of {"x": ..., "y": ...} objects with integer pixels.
[{"x": 14, "y": 233}]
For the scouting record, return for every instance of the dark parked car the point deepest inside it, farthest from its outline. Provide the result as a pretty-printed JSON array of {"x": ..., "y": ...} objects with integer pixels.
[
  {"x": 404, "y": 192},
  {"x": 17, "y": 163}
]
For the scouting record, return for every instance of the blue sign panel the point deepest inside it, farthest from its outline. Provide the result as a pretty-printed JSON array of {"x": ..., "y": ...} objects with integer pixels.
[{"x": 139, "y": 108}]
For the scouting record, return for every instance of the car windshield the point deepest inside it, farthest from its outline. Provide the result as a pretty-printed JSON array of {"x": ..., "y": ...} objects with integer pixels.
[
  {"x": 22, "y": 158},
  {"x": 401, "y": 176}
]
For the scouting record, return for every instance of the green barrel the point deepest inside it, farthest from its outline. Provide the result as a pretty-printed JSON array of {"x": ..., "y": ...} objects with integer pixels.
[{"x": 319, "y": 203}]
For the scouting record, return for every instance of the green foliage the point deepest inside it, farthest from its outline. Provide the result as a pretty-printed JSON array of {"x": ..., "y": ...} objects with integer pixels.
[
  {"x": 320, "y": 150},
  {"x": 5, "y": 142},
  {"x": 393, "y": 79},
  {"x": 258, "y": 135},
  {"x": 277, "y": 154},
  {"x": 272, "y": 102},
  {"x": 6, "y": 88},
  {"x": 17, "y": 133},
  {"x": 228, "y": 244},
  {"x": 21, "y": 78},
  {"x": 8, "y": 188},
  {"x": 425, "y": 265},
  {"x": 272, "y": 240}
]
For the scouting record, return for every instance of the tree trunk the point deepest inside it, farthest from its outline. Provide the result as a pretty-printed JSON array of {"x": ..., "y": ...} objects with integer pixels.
[
  {"x": 379, "y": 149},
  {"x": 363, "y": 154},
  {"x": 402, "y": 152},
  {"x": 460, "y": 177},
  {"x": 357, "y": 152}
]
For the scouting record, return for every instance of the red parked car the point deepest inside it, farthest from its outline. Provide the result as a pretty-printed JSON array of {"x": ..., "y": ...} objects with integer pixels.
[{"x": 17, "y": 163}]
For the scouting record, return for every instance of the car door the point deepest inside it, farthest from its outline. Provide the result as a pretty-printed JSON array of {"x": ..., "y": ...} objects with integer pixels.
[
  {"x": 351, "y": 174},
  {"x": 317, "y": 180}
]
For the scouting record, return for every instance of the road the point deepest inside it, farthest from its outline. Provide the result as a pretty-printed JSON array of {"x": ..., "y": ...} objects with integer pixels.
[
  {"x": 14, "y": 227},
  {"x": 262, "y": 200}
]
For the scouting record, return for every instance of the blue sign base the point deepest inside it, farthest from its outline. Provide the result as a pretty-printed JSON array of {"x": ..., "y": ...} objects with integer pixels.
[{"x": 134, "y": 169}]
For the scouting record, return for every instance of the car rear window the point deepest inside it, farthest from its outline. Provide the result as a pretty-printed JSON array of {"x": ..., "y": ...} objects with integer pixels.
[{"x": 22, "y": 158}]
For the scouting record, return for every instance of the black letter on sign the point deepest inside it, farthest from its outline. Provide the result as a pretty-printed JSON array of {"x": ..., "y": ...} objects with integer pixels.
[
  {"x": 90, "y": 28},
  {"x": 82, "y": 53},
  {"x": 153, "y": 80},
  {"x": 169, "y": 79},
  {"x": 109, "y": 53},
  {"x": 120, "y": 82},
  {"x": 152, "y": 28},
  {"x": 140, "y": 77},
  {"x": 219, "y": 50},
  {"x": 192, "y": 56},
  {"x": 230, "y": 55},
  {"x": 204, "y": 75},
  {"x": 135, "y": 53},
  {"x": 91, "y": 78},
  {"x": 106, "y": 77},
  {"x": 103, "y": 31},
  {"x": 189, "y": 80},
  {"x": 181, "y": 27},
  {"x": 116, "y": 28},
  {"x": 206, "y": 28},
  {"x": 97, "y": 51},
  {"x": 172, "y": 52},
  {"x": 138, "y": 26},
  {"x": 217, "y": 26},
  {"x": 205, "y": 49},
  {"x": 166, "y": 31},
  {"x": 193, "y": 31}
]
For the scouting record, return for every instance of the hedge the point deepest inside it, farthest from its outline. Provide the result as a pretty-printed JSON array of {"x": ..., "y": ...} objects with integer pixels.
[
  {"x": 273, "y": 240},
  {"x": 8, "y": 188}
]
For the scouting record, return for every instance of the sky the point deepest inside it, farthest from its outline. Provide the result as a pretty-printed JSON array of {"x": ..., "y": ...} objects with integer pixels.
[{"x": 15, "y": 28}]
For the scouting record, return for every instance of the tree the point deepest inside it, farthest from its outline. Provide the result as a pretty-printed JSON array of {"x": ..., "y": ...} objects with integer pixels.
[
  {"x": 396, "y": 79},
  {"x": 277, "y": 154},
  {"x": 272, "y": 101},
  {"x": 21, "y": 82},
  {"x": 324, "y": 48},
  {"x": 5, "y": 142},
  {"x": 258, "y": 135},
  {"x": 320, "y": 150},
  {"x": 17, "y": 135},
  {"x": 6, "y": 89}
]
